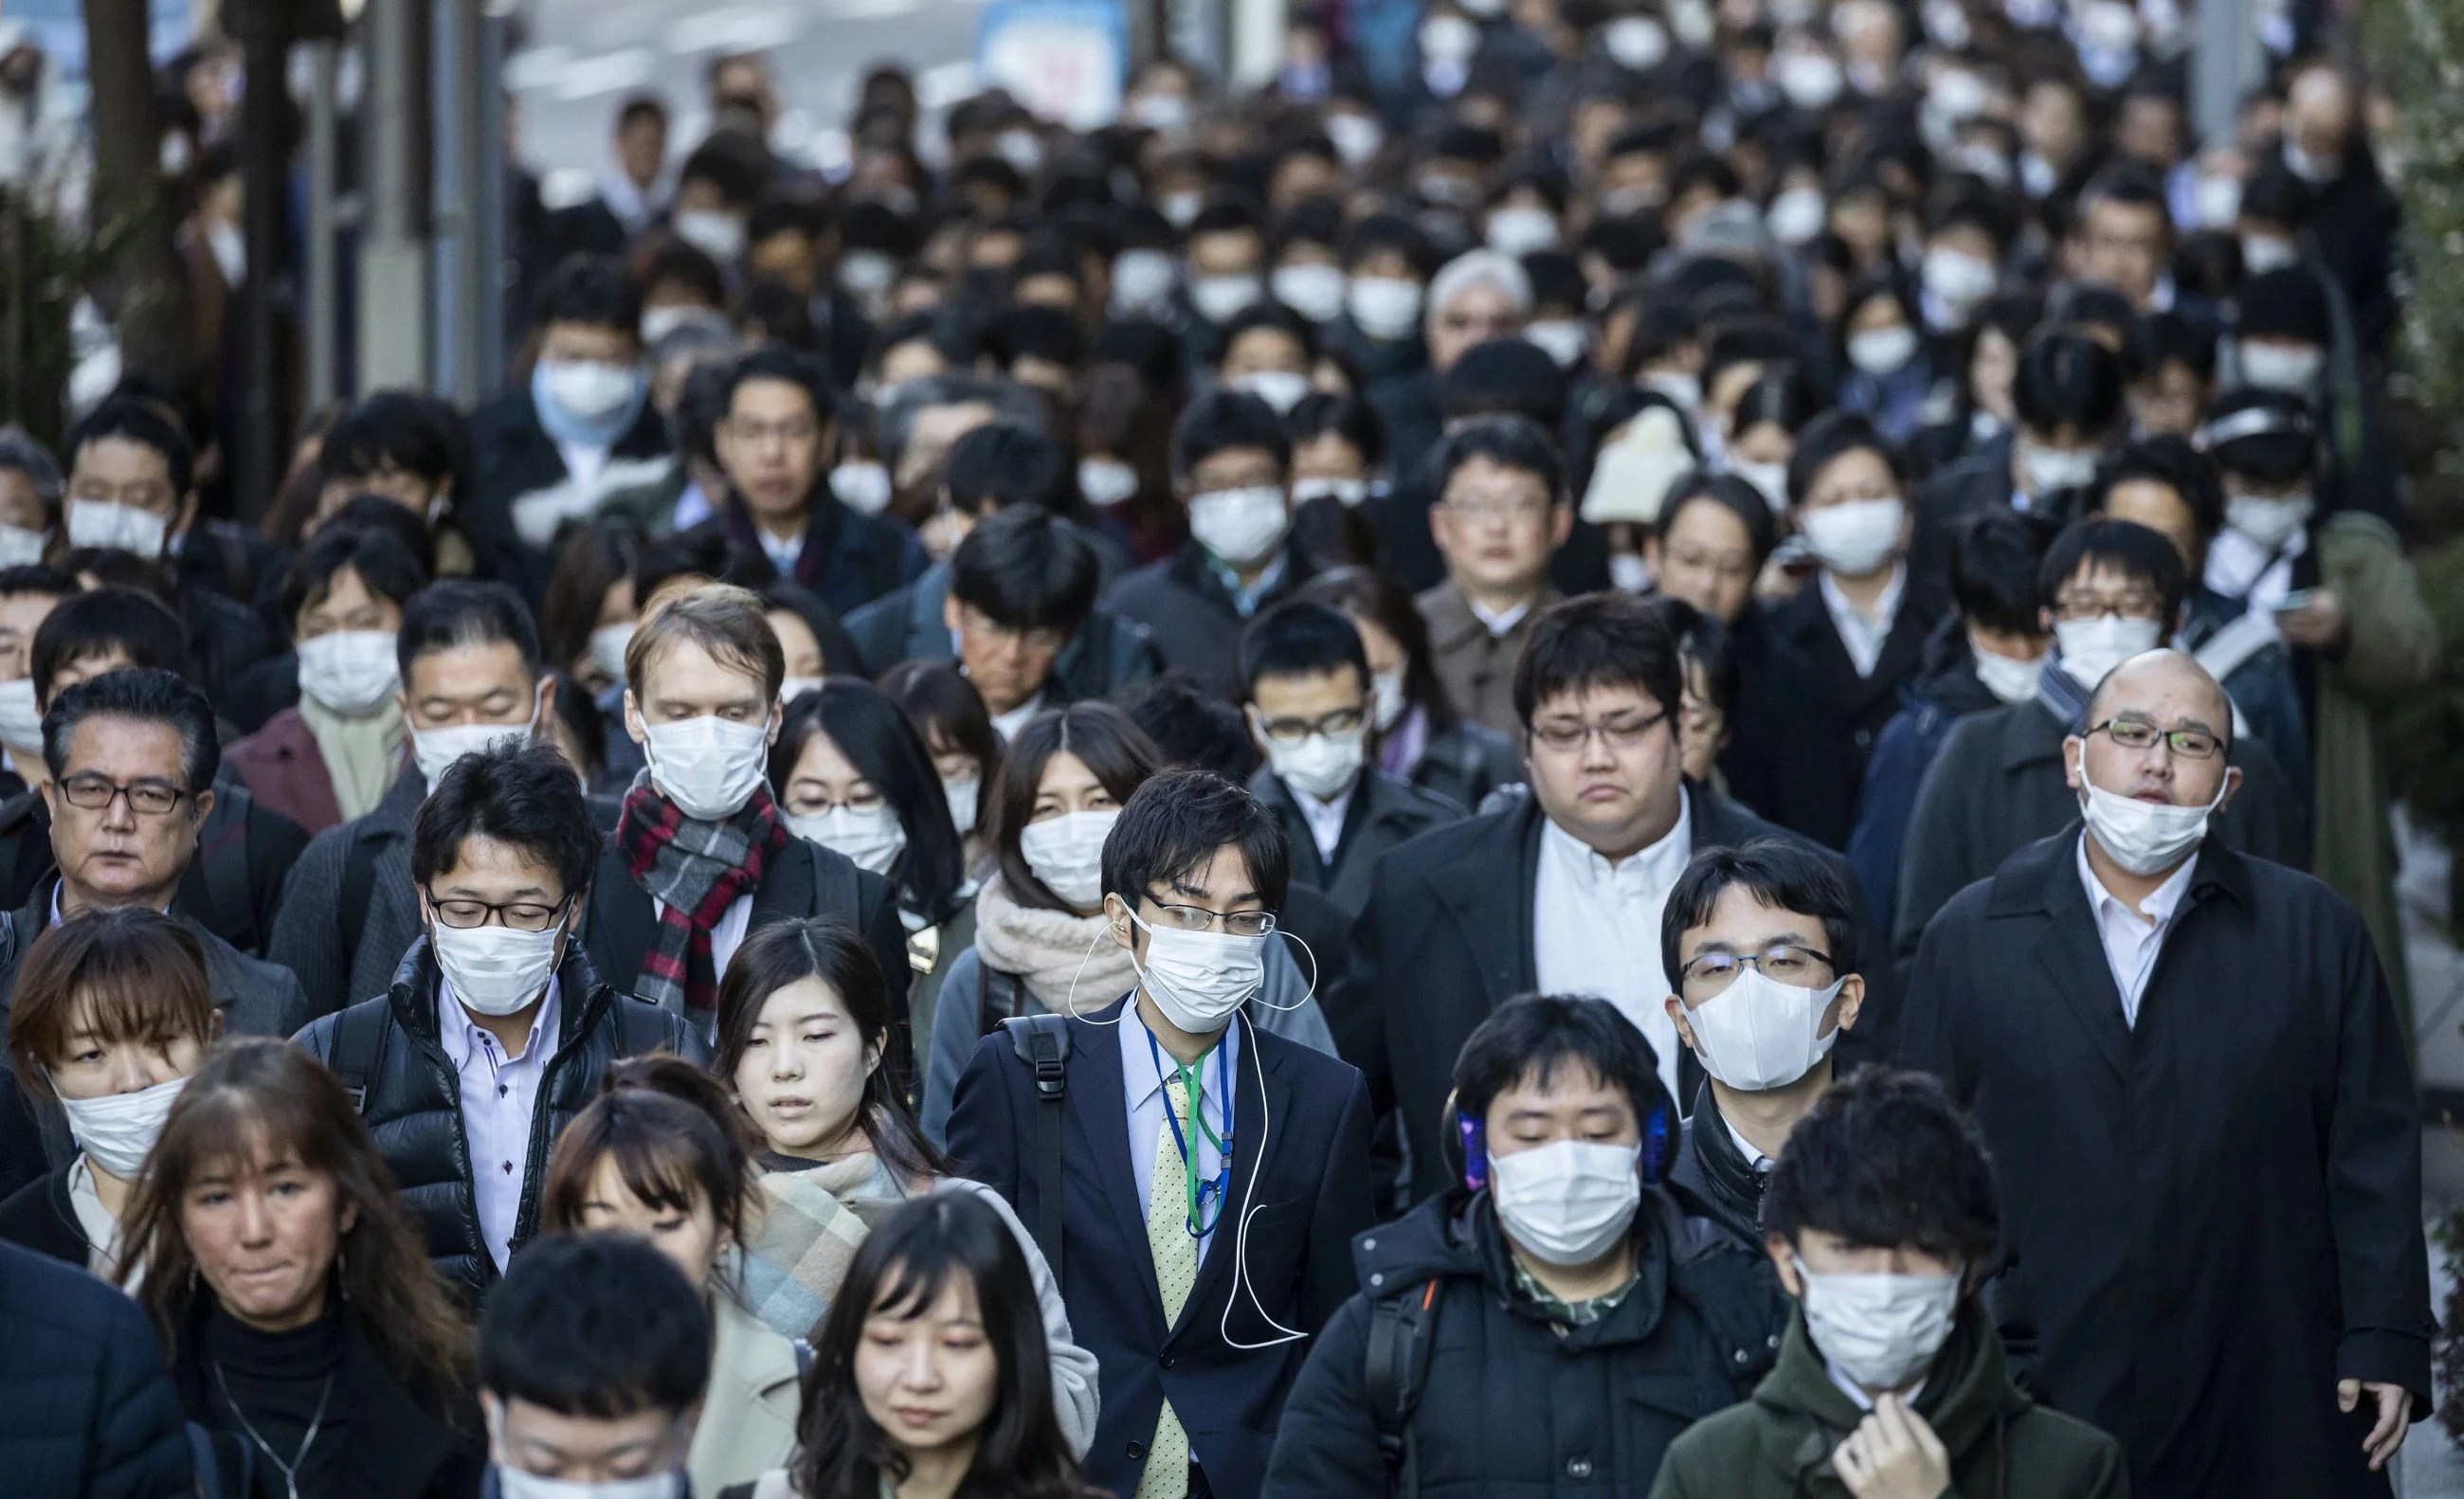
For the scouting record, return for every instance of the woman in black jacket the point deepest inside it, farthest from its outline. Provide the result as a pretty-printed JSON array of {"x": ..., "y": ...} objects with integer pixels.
[{"x": 307, "y": 1334}]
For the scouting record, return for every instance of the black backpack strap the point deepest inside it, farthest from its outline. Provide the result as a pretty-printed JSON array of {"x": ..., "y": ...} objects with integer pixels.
[
  {"x": 999, "y": 997},
  {"x": 358, "y": 1048},
  {"x": 1401, "y": 1329},
  {"x": 1042, "y": 1044}
]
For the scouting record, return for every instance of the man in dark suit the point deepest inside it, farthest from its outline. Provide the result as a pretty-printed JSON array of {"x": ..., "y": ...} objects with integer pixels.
[
  {"x": 1197, "y": 1181},
  {"x": 1562, "y": 891}
]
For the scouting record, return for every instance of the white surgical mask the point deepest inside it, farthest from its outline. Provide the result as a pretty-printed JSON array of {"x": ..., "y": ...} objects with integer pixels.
[
  {"x": 866, "y": 272},
  {"x": 1811, "y": 79},
  {"x": 2269, "y": 519},
  {"x": 19, "y": 546},
  {"x": 2261, "y": 253},
  {"x": 718, "y": 235},
  {"x": 1385, "y": 307},
  {"x": 1796, "y": 216},
  {"x": 1067, "y": 854},
  {"x": 2008, "y": 679},
  {"x": 1180, "y": 210},
  {"x": 1106, "y": 481},
  {"x": 869, "y": 836},
  {"x": 2215, "y": 202},
  {"x": 1198, "y": 978},
  {"x": 1220, "y": 298},
  {"x": 2093, "y": 647},
  {"x": 588, "y": 388},
  {"x": 1141, "y": 280},
  {"x": 494, "y": 970},
  {"x": 1629, "y": 573},
  {"x": 1448, "y": 39},
  {"x": 1856, "y": 538},
  {"x": 2144, "y": 837},
  {"x": 512, "y": 1483},
  {"x": 961, "y": 797},
  {"x": 118, "y": 1129},
  {"x": 1564, "y": 339},
  {"x": 1346, "y": 493},
  {"x": 1879, "y": 351},
  {"x": 1960, "y": 280},
  {"x": 862, "y": 485},
  {"x": 436, "y": 750},
  {"x": 707, "y": 766},
  {"x": 1759, "y": 1033},
  {"x": 1770, "y": 480},
  {"x": 1634, "y": 41},
  {"x": 1519, "y": 230},
  {"x": 1022, "y": 149},
  {"x": 21, "y": 722},
  {"x": 1313, "y": 291},
  {"x": 608, "y": 645},
  {"x": 1356, "y": 138},
  {"x": 2053, "y": 469},
  {"x": 1280, "y": 389},
  {"x": 1242, "y": 526},
  {"x": 657, "y": 323},
  {"x": 349, "y": 671},
  {"x": 1567, "y": 1202},
  {"x": 107, "y": 523},
  {"x": 1882, "y": 1331},
  {"x": 1386, "y": 699},
  {"x": 2280, "y": 366},
  {"x": 1325, "y": 766},
  {"x": 1165, "y": 112}
]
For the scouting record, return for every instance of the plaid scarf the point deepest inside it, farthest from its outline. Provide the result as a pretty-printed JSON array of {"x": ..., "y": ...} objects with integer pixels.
[{"x": 694, "y": 870}]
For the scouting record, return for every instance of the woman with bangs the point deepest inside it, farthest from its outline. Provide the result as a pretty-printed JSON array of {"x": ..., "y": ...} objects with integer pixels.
[
  {"x": 308, "y": 1337},
  {"x": 112, "y": 1017},
  {"x": 930, "y": 1378}
]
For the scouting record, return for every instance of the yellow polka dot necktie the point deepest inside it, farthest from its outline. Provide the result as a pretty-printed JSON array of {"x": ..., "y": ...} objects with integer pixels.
[{"x": 1176, "y": 1267}]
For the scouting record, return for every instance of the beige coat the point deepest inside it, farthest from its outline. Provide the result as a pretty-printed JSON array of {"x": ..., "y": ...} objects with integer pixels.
[
  {"x": 748, "y": 1419},
  {"x": 1476, "y": 666}
]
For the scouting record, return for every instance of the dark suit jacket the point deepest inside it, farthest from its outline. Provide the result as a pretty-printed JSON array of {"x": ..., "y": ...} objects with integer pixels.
[
  {"x": 1848, "y": 710},
  {"x": 1446, "y": 937},
  {"x": 1192, "y": 618},
  {"x": 1302, "y": 1202},
  {"x": 1383, "y": 812}
]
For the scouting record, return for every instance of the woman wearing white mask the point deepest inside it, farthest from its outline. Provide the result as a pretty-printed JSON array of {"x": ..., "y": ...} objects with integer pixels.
[
  {"x": 950, "y": 716},
  {"x": 805, "y": 1028},
  {"x": 332, "y": 757},
  {"x": 1545, "y": 1275},
  {"x": 112, "y": 1015},
  {"x": 1983, "y": 360},
  {"x": 1890, "y": 371},
  {"x": 855, "y": 778},
  {"x": 1880, "y": 1218}
]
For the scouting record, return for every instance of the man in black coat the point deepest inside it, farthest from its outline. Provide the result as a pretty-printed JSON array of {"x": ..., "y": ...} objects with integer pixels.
[
  {"x": 2200, "y": 1105},
  {"x": 496, "y": 1032},
  {"x": 1562, "y": 891},
  {"x": 1198, "y": 1307},
  {"x": 86, "y": 1405}
]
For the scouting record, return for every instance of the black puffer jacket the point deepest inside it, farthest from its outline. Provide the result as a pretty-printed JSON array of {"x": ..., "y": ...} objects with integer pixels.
[
  {"x": 1509, "y": 1408},
  {"x": 388, "y": 1050}
]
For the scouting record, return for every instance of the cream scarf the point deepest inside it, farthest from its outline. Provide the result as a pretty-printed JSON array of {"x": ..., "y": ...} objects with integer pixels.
[{"x": 1047, "y": 948}]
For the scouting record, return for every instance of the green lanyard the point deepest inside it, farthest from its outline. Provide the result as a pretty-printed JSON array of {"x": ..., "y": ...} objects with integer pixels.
[{"x": 1192, "y": 1076}]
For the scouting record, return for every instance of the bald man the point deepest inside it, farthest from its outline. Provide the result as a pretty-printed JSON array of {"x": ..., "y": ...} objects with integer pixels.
[{"x": 2202, "y": 1117}]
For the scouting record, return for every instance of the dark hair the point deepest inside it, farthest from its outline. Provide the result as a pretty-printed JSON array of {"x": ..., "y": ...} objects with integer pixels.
[
  {"x": 595, "y": 557},
  {"x": 2165, "y": 338},
  {"x": 370, "y": 510},
  {"x": 140, "y": 974},
  {"x": 875, "y": 736},
  {"x": 1781, "y": 875},
  {"x": 1730, "y": 493},
  {"x": 1502, "y": 377},
  {"x": 146, "y": 694},
  {"x": 601, "y": 1326},
  {"x": 1994, "y": 558},
  {"x": 1783, "y": 397},
  {"x": 782, "y": 597},
  {"x": 1531, "y": 1036},
  {"x": 827, "y": 949},
  {"x": 1173, "y": 825},
  {"x": 942, "y": 704},
  {"x": 1703, "y": 640},
  {"x": 788, "y": 366},
  {"x": 1511, "y": 442},
  {"x": 2174, "y": 463},
  {"x": 1114, "y": 749},
  {"x": 459, "y": 612},
  {"x": 1301, "y": 639},
  {"x": 1001, "y": 465},
  {"x": 399, "y": 430},
  {"x": 1192, "y": 728},
  {"x": 21, "y": 454},
  {"x": 1885, "y": 1159},
  {"x": 2127, "y": 548},
  {"x": 1826, "y": 439},
  {"x": 1365, "y": 593},
  {"x": 106, "y": 622},
  {"x": 676, "y": 1138},
  {"x": 1322, "y": 413},
  {"x": 135, "y": 419},
  {"x": 1597, "y": 640},
  {"x": 1274, "y": 317},
  {"x": 385, "y": 567},
  {"x": 1027, "y": 568},
  {"x": 265, "y": 1091},
  {"x": 30, "y": 579},
  {"x": 916, "y": 1251},
  {"x": 522, "y": 794},
  {"x": 2285, "y": 451},
  {"x": 2067, "y": 380},
  {"x": 590, "y": 289},
  {"x": 1224, "y": 419}
]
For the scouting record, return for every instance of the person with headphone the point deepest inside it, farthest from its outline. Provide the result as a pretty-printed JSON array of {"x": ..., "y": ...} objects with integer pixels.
[
  {"x": 1559, "y": 1313},
  {"x": 1194, "y": 1180}
]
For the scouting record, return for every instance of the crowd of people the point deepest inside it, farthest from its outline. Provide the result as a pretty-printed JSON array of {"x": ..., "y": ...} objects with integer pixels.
[{"x": 1607, "y": 748}]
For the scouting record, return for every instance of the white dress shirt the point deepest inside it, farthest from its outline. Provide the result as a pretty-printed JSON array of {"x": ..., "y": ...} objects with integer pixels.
[
  {"x": 1596, "y": 927},
  {"x": 2240, "y": 568},
  {"x": 1758, "y": 1162},
  {"x": 1325, "y": 819},
  {"x": 1142, "y": 1085},
  {"x": 499, "y": 1097},
  {"x": 726, "y": 936},
  {"x": 1007, "y": 724},
  {"x": 101, "y": 1230},
  {"x": 1497, "y": 622},
  {"x": 1863, "y": 634},
  {"x": 782, "y": 551},
  {"x": 2132, "y": 939}
]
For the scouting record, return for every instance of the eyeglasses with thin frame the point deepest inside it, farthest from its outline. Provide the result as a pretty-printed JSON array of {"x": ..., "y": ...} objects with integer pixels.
[
  {"x": 1620, "y": 733},
  {"x": 1292, "y": 730},
  {"x": 2135, "y": 734},
  {"x": 521, "y": 916},
  {"x": 2077, "y": 608},
  {"x": 1784, "y": 962},
  {"x": 92, "y": 792},
  {"x": 1198, "y": 918}
]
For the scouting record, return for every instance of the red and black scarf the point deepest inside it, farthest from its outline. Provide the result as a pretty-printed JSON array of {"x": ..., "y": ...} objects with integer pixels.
[{"x": 694, "y": 870}]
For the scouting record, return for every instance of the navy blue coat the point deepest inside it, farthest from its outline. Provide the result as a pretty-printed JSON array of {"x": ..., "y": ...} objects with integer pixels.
[{"x": 87, "y": 1410}]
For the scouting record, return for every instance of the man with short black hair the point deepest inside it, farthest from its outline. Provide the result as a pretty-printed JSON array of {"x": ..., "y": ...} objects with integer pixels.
[
  {"x": 28, "y": 595},
  {"x": 594, "y": 1355},
  {"x": 497, "y": 1031},
  {"x": 413, "y": 447},
  {"x": 1501, "y": 513}
]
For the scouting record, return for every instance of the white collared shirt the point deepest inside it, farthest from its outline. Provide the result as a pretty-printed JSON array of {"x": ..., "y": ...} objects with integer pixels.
[
  {"x": 726, "y": 936},
  {"x": 1856, "y": 1392},
  {"x": 499, "y": 1098},
  {"x": 1142, "y": 1086},
  {"x": 1863, "y": 634},
  {"x": 782, "y": 551},
  {"x": 101, "y": 1230},
  {"x": 1497, "y": 622},
  {"x": 1596, "y": 927},
  {"x": 1007, "y": 724},
  {"x": 2132, "y": 939},
  {"x": 1760, "y": 1164},
  {"x": 2240, "y": 568},
  {"x": 1325, "y": 819}
]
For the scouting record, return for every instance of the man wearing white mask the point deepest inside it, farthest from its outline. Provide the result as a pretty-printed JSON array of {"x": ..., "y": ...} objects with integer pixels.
[
  {"x": 1762, "y": 944},
  {"x": 1881, "y": 1220},
  {"x": 29, "y": 592},
  {"x": 496, "y": 1029},
  {"x": 702, "y": 852},
  {"x": 1204, "y": 1237},
  {"x": 1555, "y": 1318},
  {"x": 1306, "y": 677},
  {"x": 2114, "y": 590},
  {"x": 2172, "y": 1045}
]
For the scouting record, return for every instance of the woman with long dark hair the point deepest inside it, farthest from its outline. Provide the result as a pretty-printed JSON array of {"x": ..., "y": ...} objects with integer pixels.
[
  {"x": 803, "y": 1019},
  {"x": 929, "y": 1378},
  {"x": 665, "y": 1153},
  {"x": 957, "y": 733},
  {"x": 307, "y": 1334}
]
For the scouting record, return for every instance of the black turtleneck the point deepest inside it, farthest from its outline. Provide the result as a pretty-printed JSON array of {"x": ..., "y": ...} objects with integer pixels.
[{"x": 277, "y": 1380}]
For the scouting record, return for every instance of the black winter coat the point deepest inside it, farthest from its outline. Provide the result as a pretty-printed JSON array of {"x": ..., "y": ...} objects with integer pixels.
[
  {"x": 1381, "y": 814},
  {"x": 2214, "y": 1214},
  {"x": 1845, "y": 712},
  {"x": 1192, "y": 617},
  {"x": 1783, "y": 771},
  {"x": 1509, "y": 1408},
  {"x": 86, "y": 1407},
  {"x": 388, "y": 1050},
  {"x": 1726, "y": 1186}
]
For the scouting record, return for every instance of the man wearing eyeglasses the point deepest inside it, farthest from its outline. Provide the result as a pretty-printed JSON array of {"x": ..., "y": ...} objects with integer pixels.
[
  {"x": 2200, "y": 1104},
  {"x": 1501, "y": 515},
  {"x": 497, "y": 1029}
]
